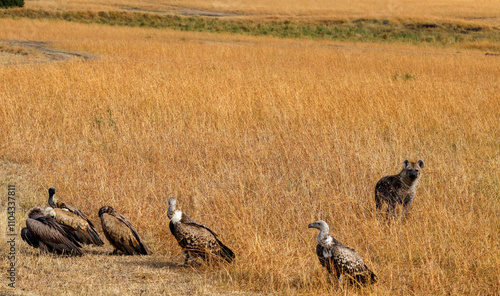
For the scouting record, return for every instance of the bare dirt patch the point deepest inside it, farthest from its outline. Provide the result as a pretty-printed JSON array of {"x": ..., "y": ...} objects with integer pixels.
[
  {"x": 14, "y": 52},
  {"x": 179, "y": 10}
]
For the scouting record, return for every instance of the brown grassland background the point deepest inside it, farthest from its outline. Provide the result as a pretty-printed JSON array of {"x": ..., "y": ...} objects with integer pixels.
[
  {"x": 257, "y": 137},
  {"x": 484, "y": 11}
]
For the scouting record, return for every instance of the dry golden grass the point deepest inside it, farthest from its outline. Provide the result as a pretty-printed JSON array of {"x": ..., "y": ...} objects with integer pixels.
[
  {"x": 30, "y": 52},
  {"x": 257, "y": 137},
  {"x": 486, "y": 11}
]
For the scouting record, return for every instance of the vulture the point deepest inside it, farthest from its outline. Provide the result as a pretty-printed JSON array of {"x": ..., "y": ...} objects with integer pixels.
[
  {"x": 76, "y": 225},
  {"x": 121, "y": 233},
  {"x": 45, "y": 233},
  {"x": 340, "y": 260},
  {"x": 73, "y": 220},
  {"x": 195, "y": 239}
]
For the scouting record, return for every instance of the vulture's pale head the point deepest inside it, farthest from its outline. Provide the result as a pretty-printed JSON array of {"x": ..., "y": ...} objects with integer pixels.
[
  {"x": 172, "y": 203},
  {"x": 50, "y": 212},
  {"x": 323, "y": 237},
  {"x": 321, "y": 225}
]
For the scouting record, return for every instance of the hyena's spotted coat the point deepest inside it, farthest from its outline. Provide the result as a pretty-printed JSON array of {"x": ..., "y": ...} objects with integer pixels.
[{"x": 400, "y": 188}]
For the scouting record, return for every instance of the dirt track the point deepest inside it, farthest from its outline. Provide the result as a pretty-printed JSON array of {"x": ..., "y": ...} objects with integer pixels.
[
  {"x": 27, "y": 52},
  {"x": 172, "y": 9}
]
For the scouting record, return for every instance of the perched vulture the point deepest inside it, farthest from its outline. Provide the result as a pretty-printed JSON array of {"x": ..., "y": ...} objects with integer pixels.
[
  {"x": 45, "y": 233},
  {"x": 121, "y": 233},
  {"x": 340, "y": 260},
  {"x": 195, "y": 239},
  {"x": 74, "y": 221}
]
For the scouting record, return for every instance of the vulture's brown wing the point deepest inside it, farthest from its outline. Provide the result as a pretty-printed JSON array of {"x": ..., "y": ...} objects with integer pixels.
[
  {"x": 348, "y": 259},
  {"x": 198, "y": 238},
  {"x": 28, "y": 237},
  {"x": 46, "y": 230},
  {"x": 349, "y": 262},
  {"x": 360, "y": 273},
  {"x": 143, "y": 248},
  {"x": 186, "y": 220},
  {"x": 62, "y": 205},
  {"x": 222, "y": 251},
  {"x": 79, "y": 226},
  {"x": 193, "y": 237},
  {"x": 122, "y": 235}
]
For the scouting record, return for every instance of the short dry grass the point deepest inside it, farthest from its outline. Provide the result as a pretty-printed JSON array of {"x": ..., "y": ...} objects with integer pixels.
[
  {"x": 438, "y": 32},
  {"x": 257, "y": 137},
  {"x": 487, "y": 11}
]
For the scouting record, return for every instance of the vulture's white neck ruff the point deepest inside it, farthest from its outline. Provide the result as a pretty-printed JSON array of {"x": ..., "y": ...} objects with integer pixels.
[
  {"x": 325, "y": 240},
  {"x": 324, "y": 237},
  {"x": 176, "y": 218}
]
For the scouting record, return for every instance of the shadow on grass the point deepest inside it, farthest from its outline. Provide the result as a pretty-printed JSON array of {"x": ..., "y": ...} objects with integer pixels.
[{"x": 154, "y": 262}]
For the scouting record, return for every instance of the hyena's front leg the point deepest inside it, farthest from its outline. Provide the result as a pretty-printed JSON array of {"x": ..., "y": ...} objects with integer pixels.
[
  {"x": 378, "y": 201},
  {"x": 406, "y": 206},
  {"x": 391, "y": 209}
]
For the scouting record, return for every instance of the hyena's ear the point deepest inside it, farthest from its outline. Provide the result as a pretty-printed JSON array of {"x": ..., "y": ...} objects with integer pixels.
[
  {"x": 406, "y": 163},
  {"x": 421, "y": 164}
]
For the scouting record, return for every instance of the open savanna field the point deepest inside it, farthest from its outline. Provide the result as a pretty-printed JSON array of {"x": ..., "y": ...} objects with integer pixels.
[
  {"x": 256, "y": 136},
  {"x": 484, "y": 10}
]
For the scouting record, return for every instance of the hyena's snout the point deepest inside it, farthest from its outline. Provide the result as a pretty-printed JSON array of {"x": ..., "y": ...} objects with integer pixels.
[{"x": 413, "y": 174}]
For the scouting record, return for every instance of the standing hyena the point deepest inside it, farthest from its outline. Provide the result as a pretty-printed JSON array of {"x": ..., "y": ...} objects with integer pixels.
[{"x": 400, "y": 188}]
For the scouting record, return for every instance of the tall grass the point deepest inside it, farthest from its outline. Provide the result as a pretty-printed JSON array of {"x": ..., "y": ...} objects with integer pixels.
[
  {"x": 485, "y": 11},
  {"x": 436, "y": 32},
  {"x": 258, "y": 137}
]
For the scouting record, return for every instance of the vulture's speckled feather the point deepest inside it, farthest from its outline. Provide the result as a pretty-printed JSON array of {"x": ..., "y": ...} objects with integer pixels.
[
  {"x": 195, "y": 239},
  {"x": 339, "y": 260}
]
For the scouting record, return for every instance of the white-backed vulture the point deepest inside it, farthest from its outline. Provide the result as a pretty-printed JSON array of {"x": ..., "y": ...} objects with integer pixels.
[
  {"x": 195, "y": 239},
  {"x": 340, "y": 260},
  {"x": 76, "y": 225},
  {"x": 70, "y": 216},
  {"x": 45, "y": 233},
  {"x": 121, "y": 233}
]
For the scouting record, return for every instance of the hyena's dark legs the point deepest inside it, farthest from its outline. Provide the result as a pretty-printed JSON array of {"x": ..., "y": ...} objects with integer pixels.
[
  {"x": 406, "y": 206},
  {"x": 378, "y": 202},
  {"x": 391, "y": 209}
]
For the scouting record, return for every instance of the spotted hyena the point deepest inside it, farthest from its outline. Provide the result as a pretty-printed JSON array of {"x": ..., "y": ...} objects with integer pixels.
[{"x": 400, "y": 188}]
